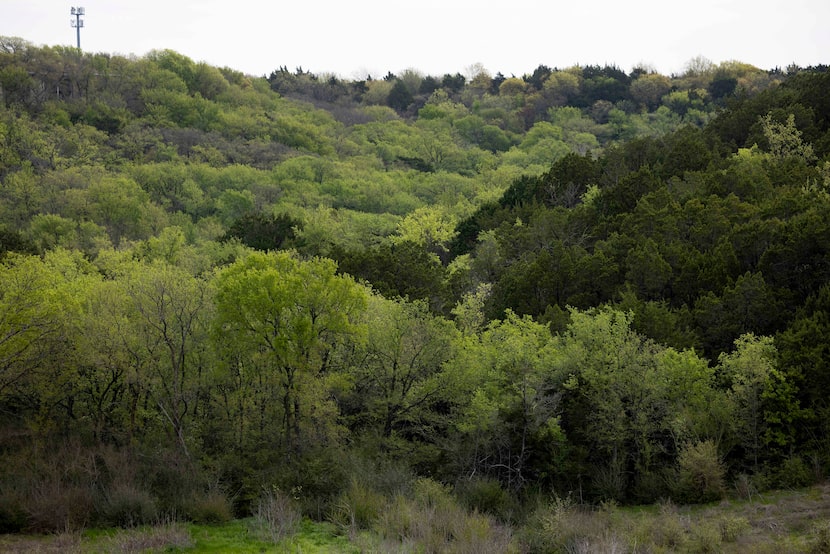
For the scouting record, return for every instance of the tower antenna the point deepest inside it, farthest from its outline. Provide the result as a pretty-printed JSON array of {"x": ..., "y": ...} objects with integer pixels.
[{"x": 77, "y": 23}]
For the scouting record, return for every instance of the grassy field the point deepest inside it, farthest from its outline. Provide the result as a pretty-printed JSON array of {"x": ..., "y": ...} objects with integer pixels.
[{"x": 775, "y": 522}]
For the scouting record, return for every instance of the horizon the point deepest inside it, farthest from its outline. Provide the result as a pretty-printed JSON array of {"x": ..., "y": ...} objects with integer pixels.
[{"x": 367, "y": 37}]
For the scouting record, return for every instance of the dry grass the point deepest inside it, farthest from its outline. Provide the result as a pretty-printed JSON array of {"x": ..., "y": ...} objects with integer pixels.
[
  {"x": 160, "y": 538},
  {"x": 784, "y": 521},
  {"x": 68, "y": 543}
]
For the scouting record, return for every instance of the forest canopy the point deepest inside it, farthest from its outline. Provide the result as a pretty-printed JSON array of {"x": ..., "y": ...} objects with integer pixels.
[{"x": 575, "y": 281}]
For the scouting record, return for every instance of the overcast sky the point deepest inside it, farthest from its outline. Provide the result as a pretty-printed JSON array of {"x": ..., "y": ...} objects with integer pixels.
[{"x": 360, "y": 37}]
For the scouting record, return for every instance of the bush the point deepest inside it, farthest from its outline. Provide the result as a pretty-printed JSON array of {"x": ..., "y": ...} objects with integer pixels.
[
  {"x": 819, "y": 539},
  {"x": 486, "y": 495},
  {"x": 610, "y": 481},
  {"x": 705, "y": 539},
  {"x": 357, "y": 507},
  {"x": 666, "y": 529},
  {"x": 127, "y": 506},
  {"x": 793, "y": 473},
  {"x": 745, "y": 487},
  {"x": 732, "y": 527},
  {"x": 315, "y": 481},
  {"x": 54, "y": 506},
  {"x": 12, "y": 515},
  {"x": 561, "y": 526},
  {"x": 277, "y": 516},
  {"x": 700, "y": 473},
  {"x": 171, "y": 479},
  {"x": 432, "y": 521},
  {"x": 161, "y": 538},
  {"x": 432, "y": 494},
  {"x": 209, "y": 507}
]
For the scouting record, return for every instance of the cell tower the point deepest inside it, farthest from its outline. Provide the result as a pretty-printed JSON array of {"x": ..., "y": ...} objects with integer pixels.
[{"x": 77, "y": 23}]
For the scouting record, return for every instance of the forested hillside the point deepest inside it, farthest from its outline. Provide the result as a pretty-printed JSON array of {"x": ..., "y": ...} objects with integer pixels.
[{"x": 217, "y": 288}]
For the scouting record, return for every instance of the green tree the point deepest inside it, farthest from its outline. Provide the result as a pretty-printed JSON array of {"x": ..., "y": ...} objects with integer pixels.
[
  {"x": 263, "y": 232},
  {"x": 629, "y": 403},
  {"x": 397, "y": 371},
  {"x": 784, "y": 139},
  {"x": 400, "y": 97},
  {"x": 431, "y": 227},
  {"x": 509, "y": 427},
  {"x": 648, "y": 90},
  {"x": 290, "y": 314},
  {"x": 34, "y": 299},
  {"x": 108, "y": 391},
  {"x": 169, "y": 315},
  {"x": 805, "y": 360},
  {"x": 766, "y": 408}
]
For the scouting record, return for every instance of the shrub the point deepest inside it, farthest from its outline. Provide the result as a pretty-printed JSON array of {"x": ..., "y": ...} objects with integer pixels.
[
  {"x": 667, "y": 529},
  {"x": 400, "y": 519},
  {"x": 56, "y": 506},
  {"x": 315, "y": 481},
  {"x": 171, "y": 479},
  {"x": 209, "y": 507},
  {"x": 705, "y": 539},
  {"x": 486, "y": 495},
  {"x": 433, "y": 522},
  {"x": 12, "y": 515},
  {"x": 745, "y": 487},
  {"x": 819, "y": 539},
  {"x": 700, "y": 472},
  {"x": 432, "y": 494},
  {"x": 793, "y": 473},
  {"x": 732, "y": 527},
  {"x": 610, "y": 481},
  {"x": 277, "y": 516},
  {"x": 477, "y": 534},
  {"x": 561, "y": 526},
  {"x": 127, "y": 506},
  {"x": 357, "y": 507}
]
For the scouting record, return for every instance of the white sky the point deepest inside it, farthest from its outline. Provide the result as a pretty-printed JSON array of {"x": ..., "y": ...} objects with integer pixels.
[{"x": 360, "y": 37}]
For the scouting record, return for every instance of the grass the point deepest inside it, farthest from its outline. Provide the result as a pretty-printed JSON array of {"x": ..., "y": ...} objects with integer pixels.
[
  {"x": 781, "y": 521},
  {"x": 234, "y": 536}
]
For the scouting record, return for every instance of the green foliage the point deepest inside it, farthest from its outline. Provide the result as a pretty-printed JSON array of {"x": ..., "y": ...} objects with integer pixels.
[
  {"x": 358, "y": 507},
  {"x": 397, "y": 371},
  {"x": 593, "y": 235},
  {"x": 509, "y": 429},
  {"x": 127, "y": 506},
  {"x": 399, "y": 97},
  {"x": 261, "y": 232},
  {"x": 623, "y": 399},
  {"x": 700, "y": 476},
  {"x": 210, "y": 507},
  {"x": 766, "y": 405},
  {"x": 283, "y": 316}
]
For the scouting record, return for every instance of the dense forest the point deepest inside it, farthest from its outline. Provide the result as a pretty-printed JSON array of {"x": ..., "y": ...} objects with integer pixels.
[{"x": 580, "y": 283}]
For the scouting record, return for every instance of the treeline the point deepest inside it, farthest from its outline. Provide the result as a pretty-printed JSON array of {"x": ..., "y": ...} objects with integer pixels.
[
  {"x": 162, "y": 387},
  {"x": 578, "y": 282}
]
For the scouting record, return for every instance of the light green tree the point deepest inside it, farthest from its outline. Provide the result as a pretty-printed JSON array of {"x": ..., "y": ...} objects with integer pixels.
[
  {"x": 512, "y": 415},
  {"x": 765, "y": 403},
  {"x": 397, "y": 371},
  {"x": 630, "y": 402},
  {"x": 785, "y": 138},
  {"x": 287, "y": 315},
  {"x": 431, "y": 227},
  {"x": 169, "y": 312},
  {"x": 34, "y": 301}
]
